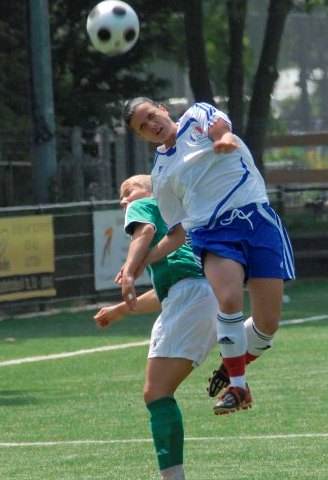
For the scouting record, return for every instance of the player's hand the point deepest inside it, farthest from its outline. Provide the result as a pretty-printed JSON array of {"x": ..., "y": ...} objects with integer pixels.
[
  {"x": 225, "y": 145},
  {"x": 108, "y": 315},
  {"x": 128, "y": 291}
]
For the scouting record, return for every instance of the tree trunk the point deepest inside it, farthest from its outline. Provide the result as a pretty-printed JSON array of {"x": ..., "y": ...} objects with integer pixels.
[
  {"x": 198, "y": 71},
  {"x": 236, "y": 17},
  {"x": 267, "y": 74},
  {"x": 304, "y": 107}
]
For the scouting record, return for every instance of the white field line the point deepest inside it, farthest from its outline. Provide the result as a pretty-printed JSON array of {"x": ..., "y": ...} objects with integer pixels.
[
  {"x": 55, "y": 311},
  {"x": 148, "y": 440},
  {"x": 303, "y": 320},
  {"x": 56, "y": 356}
]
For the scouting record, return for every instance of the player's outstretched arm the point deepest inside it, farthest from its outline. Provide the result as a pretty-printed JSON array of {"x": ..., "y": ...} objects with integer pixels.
[
  {"x": 142, "y": 236},
  {"x": 223, "y": 139},
  {"x": 110, "y": 314},
  {"x": 170, "y": 243},
  {"x": 146, "y": 303}
]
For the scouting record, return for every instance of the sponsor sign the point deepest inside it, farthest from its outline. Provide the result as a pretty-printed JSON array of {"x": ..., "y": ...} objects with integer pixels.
[
  {"x": 26, "y": 257},
  {"x": 111, "y": 245}
]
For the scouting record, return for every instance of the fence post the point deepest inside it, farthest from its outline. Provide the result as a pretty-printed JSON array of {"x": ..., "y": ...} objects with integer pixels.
[
  {"x": 130, "y": 157},
  {"x": 104, "y": 153},
  {"x": 144, "y": 153},
  {"x": 77, "y": 152},
  {"x": 120, "y": 156}
]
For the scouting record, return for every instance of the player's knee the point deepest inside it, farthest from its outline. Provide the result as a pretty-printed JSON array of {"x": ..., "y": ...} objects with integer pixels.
[
  {"x": 268, "y": 326},
  {"x": 154, "y": 392},
  {"x": 270, "y": 329},
  {"x": 150, "y": 394},
  {"x": 147, "y": 394},
  {"x": 230, "y": 303}
]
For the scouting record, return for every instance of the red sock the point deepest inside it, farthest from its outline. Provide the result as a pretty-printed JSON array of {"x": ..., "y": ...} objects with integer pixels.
[
  {"x": 235, "y": 366},
  {"x": 250, "y": 358}
]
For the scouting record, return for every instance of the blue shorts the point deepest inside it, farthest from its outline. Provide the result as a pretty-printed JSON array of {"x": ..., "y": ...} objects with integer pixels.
[{"x": 253, "y": 236}]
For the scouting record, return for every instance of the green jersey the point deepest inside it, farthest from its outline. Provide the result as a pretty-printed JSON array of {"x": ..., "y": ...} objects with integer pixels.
[{"x": 177, "y": 265}]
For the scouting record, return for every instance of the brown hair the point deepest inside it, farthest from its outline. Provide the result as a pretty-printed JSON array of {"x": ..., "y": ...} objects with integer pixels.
[{"x": 131, "y": 105}]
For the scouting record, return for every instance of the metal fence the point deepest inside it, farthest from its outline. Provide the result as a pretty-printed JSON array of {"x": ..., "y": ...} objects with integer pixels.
[
  {"x": 91, "y": 164},
  {"x": 74, "y": 255},
  {"x": 92, "y": 161},
  {"x": 304, "y": 210}
]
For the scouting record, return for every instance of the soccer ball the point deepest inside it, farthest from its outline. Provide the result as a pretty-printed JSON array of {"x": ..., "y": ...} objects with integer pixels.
[{"x": 113, "y": 27}]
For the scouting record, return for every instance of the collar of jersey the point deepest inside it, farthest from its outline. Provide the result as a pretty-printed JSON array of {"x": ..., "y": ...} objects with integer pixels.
[{"x": 170, "y": 151}]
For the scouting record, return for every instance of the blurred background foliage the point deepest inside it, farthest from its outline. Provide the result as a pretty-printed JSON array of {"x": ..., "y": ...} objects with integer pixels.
[{"x": 272, "y": 78}]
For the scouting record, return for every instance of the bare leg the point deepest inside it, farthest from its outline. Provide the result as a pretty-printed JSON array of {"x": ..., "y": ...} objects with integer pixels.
[
  {"x": 266, "y": 301},
  {"x": 164, "y": 375},
  {"x": 226, "y": 278}
]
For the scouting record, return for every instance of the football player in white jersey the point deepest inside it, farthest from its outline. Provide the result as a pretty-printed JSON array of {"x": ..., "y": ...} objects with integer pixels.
[{"x": 206, "y": 183}]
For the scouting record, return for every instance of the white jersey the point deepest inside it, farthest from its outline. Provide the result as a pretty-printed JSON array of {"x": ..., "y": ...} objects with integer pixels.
[{"x": 194, "y": 185}]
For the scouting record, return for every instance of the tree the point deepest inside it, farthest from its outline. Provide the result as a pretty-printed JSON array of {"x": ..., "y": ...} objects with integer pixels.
[
  {"x": 15, "y": 123},
  {"x": 266, "y": 74},
  {"x": 235, "y": 76},
  {"x": 13, "y": 54},
  {"x": 198, "y": 69},
  {"x": 265, "y": 77},
  {"x": 89, "y": 86},
  {"x": 307, "y": 33}
]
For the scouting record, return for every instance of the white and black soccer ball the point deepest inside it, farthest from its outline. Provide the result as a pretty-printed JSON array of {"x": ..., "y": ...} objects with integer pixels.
[{"x": 113, "y": 27}]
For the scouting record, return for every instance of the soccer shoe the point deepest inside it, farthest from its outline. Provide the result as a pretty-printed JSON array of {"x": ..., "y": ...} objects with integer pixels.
[
  {"x": 218, "y": 381},
  {"x": 233, "y": 399}
]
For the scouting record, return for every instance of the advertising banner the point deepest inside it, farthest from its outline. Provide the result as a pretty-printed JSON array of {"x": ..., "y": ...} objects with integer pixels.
[
  {"x": 26, "y": 257},
  {"x": 111, "y": 245}
]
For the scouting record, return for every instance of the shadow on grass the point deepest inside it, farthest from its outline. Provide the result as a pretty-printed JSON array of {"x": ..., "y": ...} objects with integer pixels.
[{"x": 16, "y": 397}]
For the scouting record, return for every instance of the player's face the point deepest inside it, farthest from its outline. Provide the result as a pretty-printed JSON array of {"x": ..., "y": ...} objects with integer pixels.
[
  {"x": 131, "y": 192},
  {"x": 154, "y": 124}
]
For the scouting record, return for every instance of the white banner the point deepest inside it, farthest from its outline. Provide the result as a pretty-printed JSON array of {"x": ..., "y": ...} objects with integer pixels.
[{"x": 111, "y": 245}]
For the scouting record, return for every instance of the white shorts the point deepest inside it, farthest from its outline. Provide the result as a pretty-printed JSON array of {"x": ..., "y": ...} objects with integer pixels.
[{"x": 186, "y": 328}]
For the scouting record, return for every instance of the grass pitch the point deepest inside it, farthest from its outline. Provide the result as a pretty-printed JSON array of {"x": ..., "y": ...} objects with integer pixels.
[{"x": 83, "y": 417}]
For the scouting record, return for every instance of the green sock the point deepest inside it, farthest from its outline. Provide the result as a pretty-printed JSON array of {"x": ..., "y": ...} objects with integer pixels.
[{"x": 167, "y": 430}]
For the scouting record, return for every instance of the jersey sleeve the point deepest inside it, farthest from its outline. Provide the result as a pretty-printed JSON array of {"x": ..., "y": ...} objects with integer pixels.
[
  {"x": 206, "y": 115},
  {"x": 171, "y": 208},
  {"x": 140, "y": 211}
]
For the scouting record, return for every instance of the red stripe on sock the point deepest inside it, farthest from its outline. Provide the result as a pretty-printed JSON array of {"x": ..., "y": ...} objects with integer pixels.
[
  {"x": 250, "y": 358},
  {"x": 235, "y": 365}
]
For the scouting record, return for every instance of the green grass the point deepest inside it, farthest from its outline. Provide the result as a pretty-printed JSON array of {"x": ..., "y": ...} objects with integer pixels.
[{"x": 98, "y": 397}]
